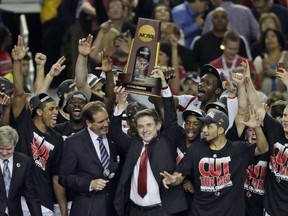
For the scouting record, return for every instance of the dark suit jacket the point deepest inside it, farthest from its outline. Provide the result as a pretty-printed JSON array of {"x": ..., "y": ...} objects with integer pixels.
[
  {"x": 80, "y": 164},
  {"x": 162, "y": 157},
  {"x": 22, "y": 184}
]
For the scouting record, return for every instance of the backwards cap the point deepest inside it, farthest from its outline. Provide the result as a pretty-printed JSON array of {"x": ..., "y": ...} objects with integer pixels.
[{"x": 38, "y": 99}]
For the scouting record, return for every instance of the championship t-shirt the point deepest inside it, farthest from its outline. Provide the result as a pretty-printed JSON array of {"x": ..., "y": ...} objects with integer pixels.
[
  {"x": 254, "y": 182},
  {"x": 276, "y": 185},
  {"x": 217, "y": 177},
  {"x": 45, "y": 150}
]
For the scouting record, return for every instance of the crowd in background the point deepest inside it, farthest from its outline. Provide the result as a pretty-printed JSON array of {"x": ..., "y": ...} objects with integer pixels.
[{"x": 224, "y": 55}]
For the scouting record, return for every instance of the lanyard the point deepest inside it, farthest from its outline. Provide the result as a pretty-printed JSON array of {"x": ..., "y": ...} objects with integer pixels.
[{"x": 225, "y": 68}]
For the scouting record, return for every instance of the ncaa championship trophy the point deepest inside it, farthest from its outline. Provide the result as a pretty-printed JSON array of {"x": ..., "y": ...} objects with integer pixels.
[{"x": 143, "y": 56}]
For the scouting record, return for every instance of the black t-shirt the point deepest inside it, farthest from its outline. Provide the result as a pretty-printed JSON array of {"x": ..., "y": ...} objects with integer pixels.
[
  {"x": 254, "y": 182},
  {"x": 65, "y": 130},
  {"x": 276, "y": 185},
  {"x": 217, "y": 177},
  {"x": 45, "y": 150},
  {"x": 254, "y": 185},
  {"x": 61, "y": 118},
  {"x": 95, "y": 97}
]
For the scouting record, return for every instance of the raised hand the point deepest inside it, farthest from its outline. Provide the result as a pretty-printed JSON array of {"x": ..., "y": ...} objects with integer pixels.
[
  {"x": 40, "y": 59},
  {"x": 283, "y": 76},
  {"x": 106, "y": 26},
  {"x": 106, "y": 63},
  {"x": 238, "y": 78},
  {"x": 246, "y": 71},
  {"x": 57, "y": 67},
  {"x": 85, "y": 45},
  {"x": 19, "y": 51},
  {"x": 173, "y": 40},
  {"x": 227, "y": 84},
  {"x": 121, "y": 97},
  {"x": 254, "y": 119},
  {"x": 5, "y": 100}
]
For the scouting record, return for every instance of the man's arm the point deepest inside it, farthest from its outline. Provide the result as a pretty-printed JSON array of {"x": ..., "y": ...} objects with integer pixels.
[
  {"x": 169, "y": 109},
  {"x": 98, "y": 42},
  {"x": 18, "y": 53},
  {"x": 40, "y": 60},
  {"x": 81, "y": 71},
  {"x": 54, "y": 71},
  {"x": 174, "y": 83},
  {"x": 255, "y": 122},
  {"x": 253, "y": 97},
  {"x": 239, "y": 78},
  {"x": 60, "y": 194},
  {"x": 109, "y": 98}
]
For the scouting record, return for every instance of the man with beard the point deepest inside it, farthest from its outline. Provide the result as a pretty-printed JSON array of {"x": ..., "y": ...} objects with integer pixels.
[
  {"x": 37, "y": 139},
  {"x": 217, "y": 191}
]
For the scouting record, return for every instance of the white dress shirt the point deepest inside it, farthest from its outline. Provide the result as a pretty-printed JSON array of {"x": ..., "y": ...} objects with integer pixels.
[
  {"x": 96, "y": 143},
  {"x": 153, "y": 194}
]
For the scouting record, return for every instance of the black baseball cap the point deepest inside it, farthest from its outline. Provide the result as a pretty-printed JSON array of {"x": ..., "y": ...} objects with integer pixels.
[
  {"x": 217, "y": 117},
  {"x": 193, "y": 111},
  {"x": 216, "y": 105},
  {"x": 74, "y": 94},
  {"x": 209, "y": 69},
  {"x": 133, "y": 108},
  {"x": 5, "y": 84},
  {"x": 65, "y": 87},
  {"x": 38, "y": 99}
]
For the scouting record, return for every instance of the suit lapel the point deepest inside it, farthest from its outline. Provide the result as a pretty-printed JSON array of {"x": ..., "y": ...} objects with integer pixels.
[
  {"x": 17, "y": 169},
  {"x": 137, "y": 151},
  {"x": 2, "y": 184},
  {"x": 112, "y": 148},
  {"x": 89, "y": 146}
]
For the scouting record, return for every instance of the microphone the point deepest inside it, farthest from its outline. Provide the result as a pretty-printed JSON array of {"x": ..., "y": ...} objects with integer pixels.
[{"x": 109, "y": 172}]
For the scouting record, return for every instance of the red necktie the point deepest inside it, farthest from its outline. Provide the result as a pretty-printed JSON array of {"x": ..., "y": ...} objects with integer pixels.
[{"x": 142, "y": 177}]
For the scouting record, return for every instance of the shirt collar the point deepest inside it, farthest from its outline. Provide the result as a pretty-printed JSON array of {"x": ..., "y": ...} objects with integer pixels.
[{"x": 93, "y": 135}]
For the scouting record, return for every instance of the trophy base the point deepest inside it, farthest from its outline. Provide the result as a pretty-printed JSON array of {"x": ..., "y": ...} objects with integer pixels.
[{"x": 145, "y": 86}]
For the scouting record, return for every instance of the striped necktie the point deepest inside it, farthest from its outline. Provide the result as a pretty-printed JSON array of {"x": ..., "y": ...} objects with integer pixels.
[
  {"x": 104, "y": 154},
  {"x": 7, "y": 176}
]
